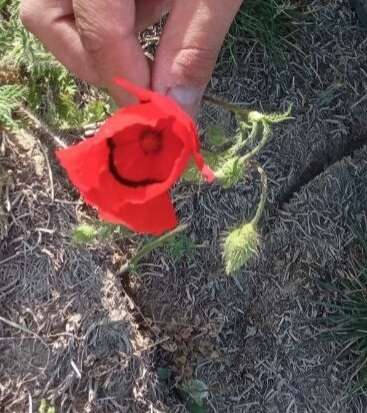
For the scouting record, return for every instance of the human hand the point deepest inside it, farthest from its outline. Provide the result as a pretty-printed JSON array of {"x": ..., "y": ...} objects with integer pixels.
[{"x": 96, "y": 40}]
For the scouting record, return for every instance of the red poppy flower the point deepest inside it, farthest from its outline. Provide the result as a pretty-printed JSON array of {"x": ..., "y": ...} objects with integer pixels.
[{"x": 127, "y": 169}]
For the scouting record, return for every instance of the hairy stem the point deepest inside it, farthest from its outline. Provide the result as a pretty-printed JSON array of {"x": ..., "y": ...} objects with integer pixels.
[
  {"x": 224, "y": 104},
  {"x": 262, "y": 143},
  {"x": 264, "y": 195},
  {"x": 251, "y": 137},
  {"x": 150, "y": 246}
]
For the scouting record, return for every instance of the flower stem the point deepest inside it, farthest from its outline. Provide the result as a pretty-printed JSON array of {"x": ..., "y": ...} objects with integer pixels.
[
  {"x": 264, "y": 195},
  {"x": 251, "y": 137},
  {"x": 150, "y": 246},
  {"x": 262, "y": 143},
  {"x": 224, "y": 104}
]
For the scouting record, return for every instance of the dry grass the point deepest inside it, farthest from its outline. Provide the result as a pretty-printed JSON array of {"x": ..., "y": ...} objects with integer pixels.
[
  {"x": 73, "y": 332},
  {"x": 66, "y": 332}
]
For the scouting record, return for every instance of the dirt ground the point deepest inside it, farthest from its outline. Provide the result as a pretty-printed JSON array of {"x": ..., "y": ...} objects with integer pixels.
[{"x": 75, "y": 332}]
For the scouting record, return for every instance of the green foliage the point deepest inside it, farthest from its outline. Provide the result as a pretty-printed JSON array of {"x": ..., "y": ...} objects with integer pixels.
[
  {"x": 347, "y": 323},
  {"x": 49, "y": 89},
  {"x": 348, "y": 326},
  {"x": 11, "y": 97},
  {"x": 180, "y": 246},
  {"x": 231, "y": 171},
  {"x": 266, "y": 22},
  {"x": 97, "y": 232},
  {"x": 239, "y": 247}
]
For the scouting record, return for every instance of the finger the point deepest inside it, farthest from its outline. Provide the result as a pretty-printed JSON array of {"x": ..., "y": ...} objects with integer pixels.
[
  {"x": 149, "y": 12},
  {"x": 99, "y": 54},
  {"x": 53, "y": 23},
  {"x": 107, "y": 32},
  {"x": 189, "y": 48}
]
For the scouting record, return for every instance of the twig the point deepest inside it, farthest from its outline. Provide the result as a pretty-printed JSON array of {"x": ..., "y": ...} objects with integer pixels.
[
  {"x": 10, "y": 258},
  {"x": 21, "y": 328}
]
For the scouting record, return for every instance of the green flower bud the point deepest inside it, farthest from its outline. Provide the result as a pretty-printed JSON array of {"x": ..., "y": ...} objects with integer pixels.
[
  {"x": 239, "y": 246},
  {"x": 231, "y": 171}
]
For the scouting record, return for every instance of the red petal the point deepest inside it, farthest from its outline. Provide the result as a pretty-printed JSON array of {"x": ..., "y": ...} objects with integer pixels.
[
  {"x": 165, "y": 105},
  {"x": 184, "y": 126},
  {"x": 154, "y": 217},
  {"x": 142, "y": 115},
  {"x": 146, "y": 208},
  {"x": 135, "y": 164},
  {"x": 84, "y": 162}
]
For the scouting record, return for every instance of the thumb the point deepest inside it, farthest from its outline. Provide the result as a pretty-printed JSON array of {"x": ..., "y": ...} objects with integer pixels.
[{"x": 189, "y": 48}]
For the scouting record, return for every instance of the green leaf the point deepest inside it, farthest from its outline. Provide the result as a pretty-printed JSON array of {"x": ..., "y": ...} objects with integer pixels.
[
  {"x": 11, "y": 97},
  {"x": 180, "y": 246},
  {"x": 97, "y": 231},
  {"x": 84, "y": 234}
]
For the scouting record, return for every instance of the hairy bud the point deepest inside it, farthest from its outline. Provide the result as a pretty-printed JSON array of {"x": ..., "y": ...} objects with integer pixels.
[{"x": 239, "y": 247}]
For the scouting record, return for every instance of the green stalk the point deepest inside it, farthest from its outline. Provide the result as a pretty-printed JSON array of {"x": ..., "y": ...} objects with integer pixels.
[
  {"x": 264, "y": 195},
  {"x": 251, "y": 137},
  {"x": 262, "y": 143},
  {"x": 225, "y": 105},
  {"x": 150, "y": 246}
]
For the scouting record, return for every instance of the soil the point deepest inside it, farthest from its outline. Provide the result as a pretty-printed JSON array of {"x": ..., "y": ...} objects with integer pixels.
[{"x": 75, "y": 332}]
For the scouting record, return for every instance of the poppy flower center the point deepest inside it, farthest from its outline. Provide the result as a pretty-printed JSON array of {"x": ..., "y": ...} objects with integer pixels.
[{"x": 151, "y": 142}]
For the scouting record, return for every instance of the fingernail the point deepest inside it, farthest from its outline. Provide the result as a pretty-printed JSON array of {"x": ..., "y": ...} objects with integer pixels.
[{"x": 187, "y": 97}]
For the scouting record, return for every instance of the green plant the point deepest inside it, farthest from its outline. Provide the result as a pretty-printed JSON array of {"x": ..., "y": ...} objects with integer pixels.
[
  {"x": 266, "y": 22},
  {"x": 232, "y": 164},
  {"x": 254, "y": 132},
  {"x": 48, "y": 88},
  {"x": 11, "y": 97},
  {"x": 147, "y": 247},
  {"x": 97, "y": 232},
  {"x": 347, "y": 321},
  {"x": 55, "y": 96},
  {"x": 180, "y": 246}
]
